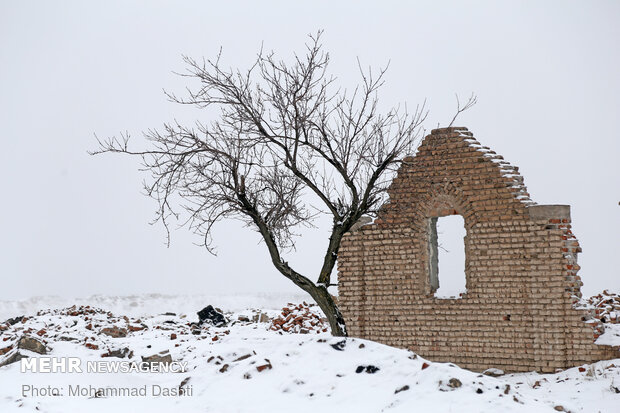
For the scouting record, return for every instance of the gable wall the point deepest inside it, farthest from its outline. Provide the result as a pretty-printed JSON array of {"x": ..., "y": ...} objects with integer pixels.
[{"x": 520, "y": 267}]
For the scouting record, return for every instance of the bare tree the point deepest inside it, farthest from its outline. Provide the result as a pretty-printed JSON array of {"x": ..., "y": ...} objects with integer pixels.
[
  {"x": 287, "y": 145},
  {"x": 473, "y": 99}
]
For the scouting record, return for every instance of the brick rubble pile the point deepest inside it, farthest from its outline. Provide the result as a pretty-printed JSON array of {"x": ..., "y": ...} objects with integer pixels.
[
  {"x": 303, "y": 318},
  {"x": 606, "y": 307}
]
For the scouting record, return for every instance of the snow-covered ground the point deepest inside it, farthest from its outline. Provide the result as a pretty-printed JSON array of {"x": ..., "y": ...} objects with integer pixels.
[{"x": 254, "y": 366}]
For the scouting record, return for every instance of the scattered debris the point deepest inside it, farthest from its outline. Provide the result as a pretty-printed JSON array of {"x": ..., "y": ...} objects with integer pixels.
[
  {"x": 67, "y": 338},
  {"x": 454, "y": 383},
  {"x": 5, "y": 350},
  {"x": 602, "y": 309},
  {"x": 13, "y": 321},
  {"x": 370, "y": 369},
  {"x": 114, "y": 332},
  {"x": 182, "y": 386},
  {"x": 339, "y": 345},
  {"x": 211, "y": 315},
  {"x": 120, "y": 353},
  {"x": 200, "y": 350},
  {"x": 493, "y": 372},
  {"x": 264, "y": 366},
  {"x": 162, "y": 357},
  {"x": 12, "y": 358},
  {"x": 260, "y": 318}
]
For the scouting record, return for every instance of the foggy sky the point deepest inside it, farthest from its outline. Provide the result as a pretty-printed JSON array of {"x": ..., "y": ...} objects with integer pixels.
[{"x": 546, "y": 75}]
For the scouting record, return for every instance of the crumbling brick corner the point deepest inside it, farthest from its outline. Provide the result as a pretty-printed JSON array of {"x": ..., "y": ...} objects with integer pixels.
[{"x": 518, "y": 313}]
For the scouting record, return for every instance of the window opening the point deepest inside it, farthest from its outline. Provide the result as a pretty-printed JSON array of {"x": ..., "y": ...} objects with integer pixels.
[{"x": 447, "y": 256}]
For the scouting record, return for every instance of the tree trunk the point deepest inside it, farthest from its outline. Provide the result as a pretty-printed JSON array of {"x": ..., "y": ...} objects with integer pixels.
[
  {"x": 318, "y": 292},
  {"x": 327, "y": 304}
]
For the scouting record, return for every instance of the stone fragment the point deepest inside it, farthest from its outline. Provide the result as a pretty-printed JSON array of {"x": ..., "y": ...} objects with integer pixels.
[
  {"x": 209, "y": 314},
  {"x": 454, "y": 383},
  {"x": 243, "y": 357},
  {"x": 120, "y": 353},
  {"x": 182, "y": 386},
  {"x": 12, "y": 358},
  {"x": 5, "y": 350},
  {"x": 370, "y": 369},
  {"x": 13, "y": 321},
  {"x": 339, "y": 345},
  {"x": 260, "y": 318},
  {"x": 493, "y": 372},
  {"x": 32, "y": 344},
  {"x": 161, "y": 358},
  {"x": 264, "y": 367},
  {"x": 115, "y": 332}
]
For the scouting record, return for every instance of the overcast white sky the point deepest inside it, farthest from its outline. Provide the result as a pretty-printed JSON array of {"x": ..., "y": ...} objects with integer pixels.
[{"x": 547, "y": 76}]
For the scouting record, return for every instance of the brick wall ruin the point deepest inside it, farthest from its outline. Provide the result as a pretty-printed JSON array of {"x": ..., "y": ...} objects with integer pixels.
[{"x": 521, "y": 267}]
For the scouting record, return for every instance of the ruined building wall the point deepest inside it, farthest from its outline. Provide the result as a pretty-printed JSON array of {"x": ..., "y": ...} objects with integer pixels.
[{"x": 521, "y": 268}]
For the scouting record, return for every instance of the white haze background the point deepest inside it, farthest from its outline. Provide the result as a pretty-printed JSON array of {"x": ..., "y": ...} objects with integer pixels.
[{"x": 546, "y": 76}]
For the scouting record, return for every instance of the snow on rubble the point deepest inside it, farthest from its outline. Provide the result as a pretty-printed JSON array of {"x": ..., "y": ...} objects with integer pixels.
[
  {"x": 605, "y": 311},
  {"x": 276, "y": 357}
]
